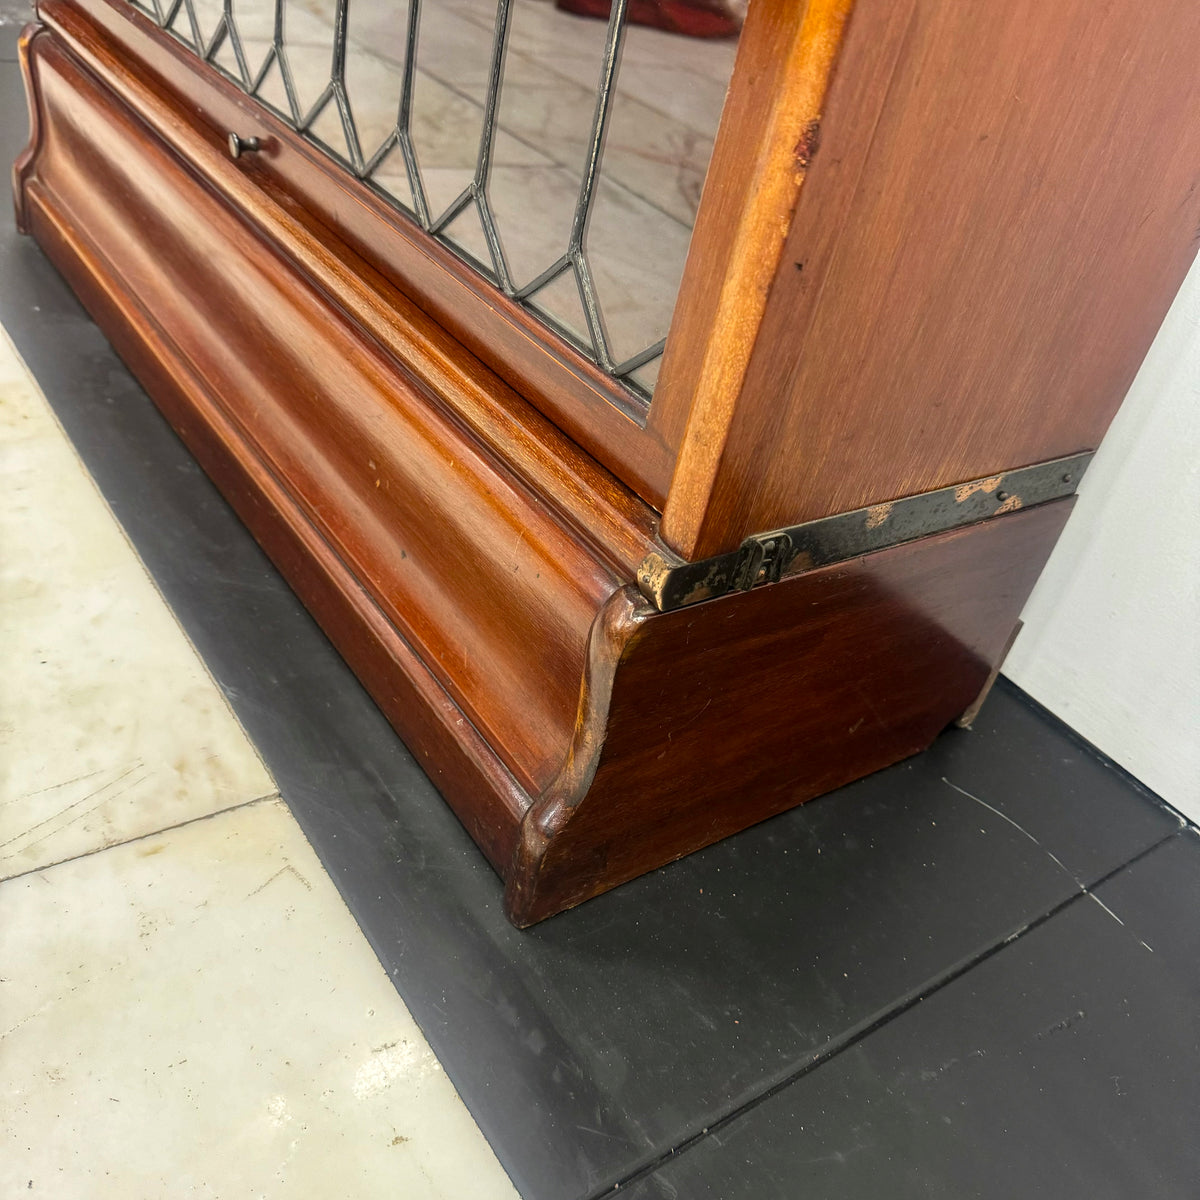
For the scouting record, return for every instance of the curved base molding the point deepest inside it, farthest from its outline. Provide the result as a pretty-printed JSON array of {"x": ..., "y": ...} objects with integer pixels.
[{"x": 476, "y": 570}]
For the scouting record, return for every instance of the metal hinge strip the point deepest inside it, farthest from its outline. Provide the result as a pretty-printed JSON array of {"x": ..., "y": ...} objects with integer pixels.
[{"x": 672, "y": 583}]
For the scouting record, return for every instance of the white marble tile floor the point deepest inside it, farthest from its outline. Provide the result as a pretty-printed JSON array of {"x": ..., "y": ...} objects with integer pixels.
[
  {"x": 187, "y": 1008},
  {"x": 110, "y": 727}
]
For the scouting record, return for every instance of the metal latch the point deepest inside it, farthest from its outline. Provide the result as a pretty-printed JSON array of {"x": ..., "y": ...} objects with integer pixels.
[
  {"x": 761, "y": 559},
  {"x": 671, "y": 583}
]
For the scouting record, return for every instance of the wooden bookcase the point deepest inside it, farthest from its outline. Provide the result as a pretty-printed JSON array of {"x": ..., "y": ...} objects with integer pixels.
[{"x": 935, "y": 242}]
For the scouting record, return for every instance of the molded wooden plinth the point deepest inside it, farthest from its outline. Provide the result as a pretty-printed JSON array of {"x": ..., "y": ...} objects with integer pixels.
[
  {"x": 474, "y": 567},
  {"x": 706, "y": 720}
]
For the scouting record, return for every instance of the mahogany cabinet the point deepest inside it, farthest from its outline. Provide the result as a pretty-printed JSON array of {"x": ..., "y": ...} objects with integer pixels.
[{"x": 621, "y": 608}]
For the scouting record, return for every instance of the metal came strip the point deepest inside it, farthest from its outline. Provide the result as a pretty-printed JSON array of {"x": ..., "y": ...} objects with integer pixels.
[{"x": 672, "y": 583}]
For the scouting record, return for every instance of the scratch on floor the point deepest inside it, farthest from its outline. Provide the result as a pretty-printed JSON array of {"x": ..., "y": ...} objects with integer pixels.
[
  {"x": 87, "y": 812},
  {"x": 1078, "y": 883},
  {"x": 1107, "y": 909},
  {"x": 63, "y": 811},
  {"x": 285, "y": 869},
  {"x": 50, "y": 788},
  {"x": 37, "y": 1012},
  {"x": 838, "y": 1156},
  {"x": 1002, "y": 816},
  {"x": 1020, "y": 829}
]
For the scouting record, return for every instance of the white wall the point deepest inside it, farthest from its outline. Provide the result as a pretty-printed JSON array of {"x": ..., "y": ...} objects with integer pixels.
[{"x": 1112, "y": 633}]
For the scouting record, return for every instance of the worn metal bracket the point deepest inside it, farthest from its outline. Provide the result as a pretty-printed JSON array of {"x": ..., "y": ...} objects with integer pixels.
[{"x": 672, "y": 583}]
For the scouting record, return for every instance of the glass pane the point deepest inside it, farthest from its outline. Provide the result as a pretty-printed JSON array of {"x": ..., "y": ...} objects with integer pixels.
[
  {"x": 558, "y": 146},
  {"x": 668, "y": 100},
  {"x": 307, "y": 48}
]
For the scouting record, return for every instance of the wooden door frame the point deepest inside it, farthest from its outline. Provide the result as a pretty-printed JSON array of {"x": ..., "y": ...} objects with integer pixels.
[{"x": 786, "y": 53}]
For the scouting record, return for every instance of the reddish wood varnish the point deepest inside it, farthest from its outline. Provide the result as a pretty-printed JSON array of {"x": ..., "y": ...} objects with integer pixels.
[
  {"x": 801, "y": 687},
  {"x": 469, "y": 566},
  {"x": 925, "y": 621},
  {"x": 987, "y": 240},
  {"x": 770, "y": 131},
  {"x": 579, "y": 398},
  {"x": 918, "y": 260}
]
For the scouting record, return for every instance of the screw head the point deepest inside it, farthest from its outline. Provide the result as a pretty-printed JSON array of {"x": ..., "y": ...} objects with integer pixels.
[{"x": 1001, "y": 495}]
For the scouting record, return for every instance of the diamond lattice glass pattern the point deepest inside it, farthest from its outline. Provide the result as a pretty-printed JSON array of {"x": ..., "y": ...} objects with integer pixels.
[{"x": 560, "y": 156}]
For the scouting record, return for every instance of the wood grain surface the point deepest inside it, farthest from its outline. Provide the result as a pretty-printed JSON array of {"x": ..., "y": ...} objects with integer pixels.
[
  {"x": 473, "y": 564},
  {"x": 561, "y": 384},
  {"x": 976, "y": 293},
  {"x": 717, "y": 716},
  {"x": 470, "y": 566},
  {"x": 769, "y": 135}
]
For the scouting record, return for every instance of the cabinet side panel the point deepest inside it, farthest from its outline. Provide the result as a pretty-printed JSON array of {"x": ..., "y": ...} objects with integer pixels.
[{"x": 1027, "y": 210}]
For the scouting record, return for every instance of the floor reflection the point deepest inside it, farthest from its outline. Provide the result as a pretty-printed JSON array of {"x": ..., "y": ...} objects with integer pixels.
[{"x": 668, "y": 98}]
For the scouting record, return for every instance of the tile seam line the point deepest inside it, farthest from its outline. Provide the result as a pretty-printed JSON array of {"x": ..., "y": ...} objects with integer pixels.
[
  {"x": 141, "y": 837},
  {"x": 856, "y": 1035}
]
